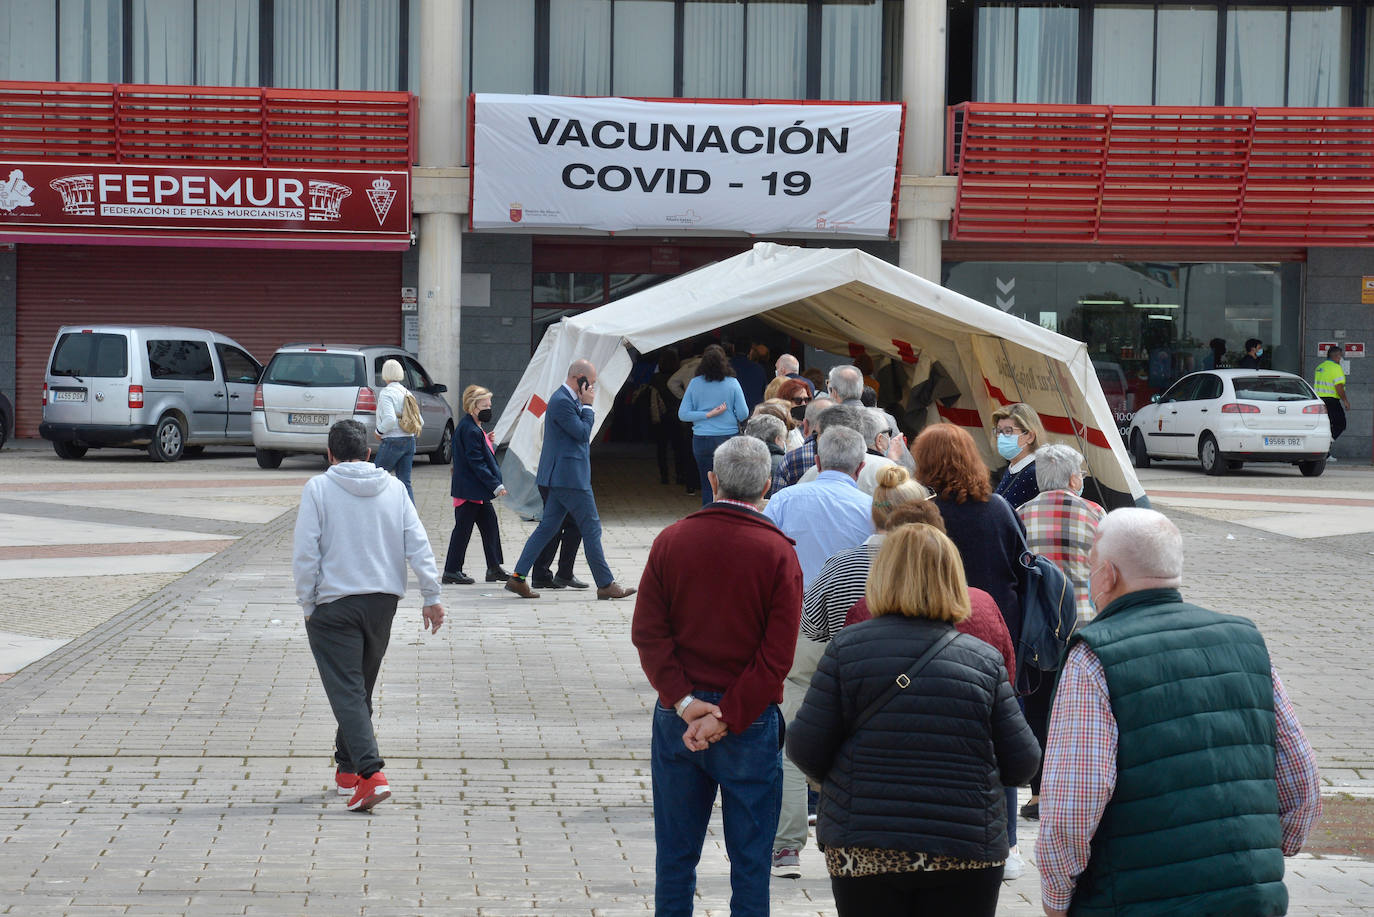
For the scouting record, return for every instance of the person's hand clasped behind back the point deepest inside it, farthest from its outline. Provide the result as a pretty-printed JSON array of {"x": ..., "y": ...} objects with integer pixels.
[{"x": 704, "y": 725}]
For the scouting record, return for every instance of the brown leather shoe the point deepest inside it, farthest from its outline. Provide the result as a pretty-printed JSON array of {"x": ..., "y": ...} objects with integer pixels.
[
  {"x": 613, "y": 591},
  {"x": 521, "y": 588}
]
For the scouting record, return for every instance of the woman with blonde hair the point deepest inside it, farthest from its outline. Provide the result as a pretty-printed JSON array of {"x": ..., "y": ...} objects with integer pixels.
[
  {"x": 396, "y": 454},
  {"x": 783, "y": 411},
  {"x": 912, "y": 730},
  {"x": 476, "y": 483},
  {"x": 1019, "y": 434}
]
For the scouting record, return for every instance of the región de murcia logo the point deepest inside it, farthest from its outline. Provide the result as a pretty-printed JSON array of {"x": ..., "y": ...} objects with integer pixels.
[
  {"x": 325, "y": 198},
  {"x": 14, "y": 193},
  {"x": 381, "y": 195}
]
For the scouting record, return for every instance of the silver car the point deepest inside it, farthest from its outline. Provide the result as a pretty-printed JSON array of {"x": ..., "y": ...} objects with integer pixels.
[
  {"x": 306, "y": 388},
  {"x": 170, "y": 390}
]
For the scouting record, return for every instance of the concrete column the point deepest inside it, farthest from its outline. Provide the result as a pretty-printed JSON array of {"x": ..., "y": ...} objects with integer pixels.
[
  {"x": 440, "y": 234},
  {"x": 924, "y": 37}
]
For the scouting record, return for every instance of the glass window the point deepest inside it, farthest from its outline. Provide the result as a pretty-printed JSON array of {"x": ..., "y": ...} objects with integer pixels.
[
  {"x": 91, "y": 35},
  {"x": 1272, "y": 388},
  {"x": 28, "y": 40},
  {"x": 1255, "y": 52},
  {"x": 579, "y": 47},
  {"x": 1047, "y": 55},
  {"x": 316, "y": 370},
  {"x": 775, "y": 57},
  {"x": 1186, "y": 56},
  {"x": 103, "y": 356},
  {"x": 852, "y": 50},
  {"x": 164, "y": 41},
  {"x": 238, "y": 366},
  {"x": 227, "y": 43},
  {"x": 995, "y": 76},
  {"x": 713, "y": 49},
  {"x": 643, "y": 63},
  {"x": 1123, "y": 55},
  {"x": 1184, "y": 390},
  {"x": 503, "y": 61},
  {"x": 416, "y": 378},
  {"x": 304, "y": 44},
  {"x": 1208, "y": 387},
  {"x": 1318, "y": 56},
  {"x": 180, "y": 360},
  {"x": 369, "y": 44},
  {"x": 568, "y": 286}
]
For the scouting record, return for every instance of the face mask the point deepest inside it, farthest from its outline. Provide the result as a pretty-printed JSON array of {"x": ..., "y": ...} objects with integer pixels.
[
  {"x": 1259, "y": 351},
  {"x": 1092, "y": 596},
  {"x": 799, "y": 412},
  {"x": 1007, "y": 445},
  {"x": 1077, "y": 491},
  {"x": 484, "y": 415}
]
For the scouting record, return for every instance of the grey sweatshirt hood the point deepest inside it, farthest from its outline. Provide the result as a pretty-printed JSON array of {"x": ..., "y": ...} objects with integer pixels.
[{"x": 361, "y": 479}]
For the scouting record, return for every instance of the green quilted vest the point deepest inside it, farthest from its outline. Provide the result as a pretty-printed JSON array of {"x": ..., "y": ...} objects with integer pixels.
[{"x": 1193, "y": 825}]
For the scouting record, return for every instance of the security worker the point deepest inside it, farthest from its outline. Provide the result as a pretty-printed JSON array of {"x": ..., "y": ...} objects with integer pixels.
[{"x": 1330, "y": 385}]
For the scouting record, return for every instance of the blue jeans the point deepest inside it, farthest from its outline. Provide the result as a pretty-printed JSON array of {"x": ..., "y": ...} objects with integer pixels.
[
  {"x": 704, "y": 451},
  {"x": 581, "y": 505},
  {"x": 748, "y": 770},
  {"x": 396, "y": 454}
]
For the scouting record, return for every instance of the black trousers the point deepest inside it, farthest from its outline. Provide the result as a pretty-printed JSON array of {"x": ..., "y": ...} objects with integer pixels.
[
  {"x": 670, "y": 434},
  {"x": 946, "y": 893},
  {"x": 1036, "y": 707},
  {"x": 1335, "y": 411},
  {"x": 465, "y": 515},
  {"x": 348, "y": 638},
  {"x": 564, "y": 544}
]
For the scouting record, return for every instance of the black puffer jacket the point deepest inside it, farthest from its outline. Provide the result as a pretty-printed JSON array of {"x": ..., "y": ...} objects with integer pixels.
[{"x": 926, "y": 772}]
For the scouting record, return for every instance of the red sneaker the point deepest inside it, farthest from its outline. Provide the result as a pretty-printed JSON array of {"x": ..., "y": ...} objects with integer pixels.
[
  {"x": 370, "y": 791},
  {"x": 346, "y": 782}
]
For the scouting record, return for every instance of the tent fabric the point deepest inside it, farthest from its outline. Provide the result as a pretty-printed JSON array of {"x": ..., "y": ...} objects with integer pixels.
[{"x": 843, "y": 301}]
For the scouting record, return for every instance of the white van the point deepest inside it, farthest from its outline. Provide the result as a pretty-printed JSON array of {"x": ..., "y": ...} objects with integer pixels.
[{"x": 170, "y": 390}]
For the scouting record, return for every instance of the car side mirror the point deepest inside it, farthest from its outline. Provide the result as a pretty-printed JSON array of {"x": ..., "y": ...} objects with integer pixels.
[
  {"x": 1155, "y": 399},
  {"x": 438, "y": 388}
]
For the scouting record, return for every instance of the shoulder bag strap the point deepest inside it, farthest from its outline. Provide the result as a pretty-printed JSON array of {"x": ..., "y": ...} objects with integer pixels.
[{"x": 904, "y": 679}]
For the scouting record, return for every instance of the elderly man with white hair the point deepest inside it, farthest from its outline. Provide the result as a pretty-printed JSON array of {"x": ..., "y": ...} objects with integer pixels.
[
  {"x": 1176, "y": 776},
  {"x": 846, "y": 385},
  {"x": 789, "y": 367}
]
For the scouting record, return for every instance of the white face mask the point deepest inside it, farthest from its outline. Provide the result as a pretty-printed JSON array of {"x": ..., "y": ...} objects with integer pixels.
[{"x": 1092, "y": 596}]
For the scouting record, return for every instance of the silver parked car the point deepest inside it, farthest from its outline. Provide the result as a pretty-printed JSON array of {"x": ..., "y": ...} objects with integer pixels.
[
  {"x": 170, "y": 390},
  {"x": 306, "y": 388}
]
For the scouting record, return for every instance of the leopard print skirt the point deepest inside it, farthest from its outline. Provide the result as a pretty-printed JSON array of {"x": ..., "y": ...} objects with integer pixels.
[{"x": 856, "y": 862}]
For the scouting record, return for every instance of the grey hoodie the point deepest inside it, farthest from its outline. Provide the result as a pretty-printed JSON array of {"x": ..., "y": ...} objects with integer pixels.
[{"x": 355, "y": 532}]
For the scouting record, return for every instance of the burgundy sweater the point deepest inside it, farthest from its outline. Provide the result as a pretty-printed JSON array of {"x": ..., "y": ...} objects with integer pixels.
[
  {"x": 718, "y": 609},
  {"x": 985, "y": 623}
]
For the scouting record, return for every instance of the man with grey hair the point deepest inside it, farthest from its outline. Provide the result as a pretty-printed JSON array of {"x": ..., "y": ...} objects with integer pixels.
[
  {"x": 846, "y": 385},
  {"x": 1177, "y": 776},
  {"x": 772, "y": 432},
  {"x": 718, "y": 677},
  {"x": 873, "y": 427},
  {"x": 823, "y": 517},
  {"x": 796, "y": 462}
]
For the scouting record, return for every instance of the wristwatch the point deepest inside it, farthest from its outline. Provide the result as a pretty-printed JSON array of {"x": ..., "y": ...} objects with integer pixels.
[{"x": 682, "y": 705}]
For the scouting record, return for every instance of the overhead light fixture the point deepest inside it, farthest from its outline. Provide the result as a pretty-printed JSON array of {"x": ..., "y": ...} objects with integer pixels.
[
  {"x": 1156, "y": 305},
  {"x": 1162, "y": 318},
  {"x": 1102, "y": 302}
]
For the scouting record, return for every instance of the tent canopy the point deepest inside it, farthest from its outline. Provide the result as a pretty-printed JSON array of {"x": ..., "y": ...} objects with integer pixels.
[{"x": 843, "y": 301}]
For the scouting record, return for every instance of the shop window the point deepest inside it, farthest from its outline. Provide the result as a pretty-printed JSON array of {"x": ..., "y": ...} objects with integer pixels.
[
  {"x": 569, "y": 287},
  {"x": 579, "y": 47},
  {"x": 1027, "y": 54}
]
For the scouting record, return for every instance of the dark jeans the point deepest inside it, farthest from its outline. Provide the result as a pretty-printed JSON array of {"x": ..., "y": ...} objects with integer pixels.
[
  {"x": 952, "y": 892},
  {"x": 465, "y": 515},
  {"x": 563, "y": 543},
  {"x": 671, "y": 434},
  {"x": 1335, "y": 412},
  {"x": 1036, "y": 706},
  {"x": 581, "y": 506},
  {"x": 704, "y": 451},
  {"x": 348, "y": 638},
  {"x": 396, "y": 454},
  {"x": 747, "y": 769}
]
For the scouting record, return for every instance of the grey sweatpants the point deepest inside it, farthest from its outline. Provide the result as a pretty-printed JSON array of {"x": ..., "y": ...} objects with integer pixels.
[{"x": 348, "y": 638}]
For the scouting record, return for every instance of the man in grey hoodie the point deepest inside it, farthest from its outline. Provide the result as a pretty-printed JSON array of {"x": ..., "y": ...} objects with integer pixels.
[{"x": 355, "y": 532}]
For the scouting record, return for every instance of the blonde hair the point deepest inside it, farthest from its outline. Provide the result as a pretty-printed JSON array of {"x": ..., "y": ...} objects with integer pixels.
[
  {"x": 1024, "y": 416},
  {"x": 471, "y": 395},
  {"x": 781, "y": 407},
  {"x": 392, "y": 372},
  {"x": 918, "y": 573},
  {"x": 895, "y": 488},
  {"x": 770, "y": 391}
]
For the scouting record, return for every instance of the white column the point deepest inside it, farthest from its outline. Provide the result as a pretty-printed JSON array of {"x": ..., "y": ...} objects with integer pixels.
[
  {"x": 441, "y": 238},
  {"x": 924, "y": 27}
]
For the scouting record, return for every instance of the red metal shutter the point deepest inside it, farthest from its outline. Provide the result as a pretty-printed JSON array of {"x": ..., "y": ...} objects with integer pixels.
[{"x": 261, "y": 298}]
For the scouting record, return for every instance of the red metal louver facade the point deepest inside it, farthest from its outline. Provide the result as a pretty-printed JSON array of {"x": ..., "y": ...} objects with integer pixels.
[{"x": 1148, "y": 175}]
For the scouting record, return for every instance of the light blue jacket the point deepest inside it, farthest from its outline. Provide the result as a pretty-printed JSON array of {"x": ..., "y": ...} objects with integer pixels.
[{"x": 702, "y": 396}]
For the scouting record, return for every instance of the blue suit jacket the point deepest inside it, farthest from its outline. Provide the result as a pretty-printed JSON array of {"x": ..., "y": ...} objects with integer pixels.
[
  {"x": 566, "y": 459},
  {"x": 475, "y": 472}
]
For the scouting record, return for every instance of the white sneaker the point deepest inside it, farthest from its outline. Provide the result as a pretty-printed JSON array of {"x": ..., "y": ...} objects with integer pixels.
[{"x": 1015, "y": 865}]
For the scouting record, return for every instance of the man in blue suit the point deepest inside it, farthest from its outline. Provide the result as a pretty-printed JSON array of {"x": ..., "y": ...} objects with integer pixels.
[{"x": 565, "y": 468}]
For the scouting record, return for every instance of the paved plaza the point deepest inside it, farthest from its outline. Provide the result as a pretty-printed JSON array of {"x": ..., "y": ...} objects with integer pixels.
[{"x": 164, "y": 741}]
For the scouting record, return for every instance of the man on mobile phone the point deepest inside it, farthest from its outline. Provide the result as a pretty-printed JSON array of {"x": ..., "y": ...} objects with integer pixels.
[{"x": 565, "y": 468}]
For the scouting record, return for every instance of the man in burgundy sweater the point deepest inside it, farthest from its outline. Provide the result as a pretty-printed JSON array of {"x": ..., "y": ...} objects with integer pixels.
[{"x": 716, "y": 625}]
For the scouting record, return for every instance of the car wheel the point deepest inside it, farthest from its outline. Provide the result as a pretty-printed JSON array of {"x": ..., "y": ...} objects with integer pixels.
[
  {"x": 1210, "y": 456},
  {"x": 67, "y": 449},
  {"x": 1139, "y": 457},
  {"x": 1312, "y": 469},
  {"x": 267, "y": 458},
  {"x": 169, "y": 440},
  {"x": 444, "y": 454}
]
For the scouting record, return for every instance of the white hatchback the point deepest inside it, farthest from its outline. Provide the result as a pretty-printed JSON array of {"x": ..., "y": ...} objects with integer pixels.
[{"x": 1226, "y": 417}]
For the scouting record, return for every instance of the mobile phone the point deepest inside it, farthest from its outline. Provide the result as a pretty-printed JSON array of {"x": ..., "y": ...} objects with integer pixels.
[{"x": 582, "y": 383}]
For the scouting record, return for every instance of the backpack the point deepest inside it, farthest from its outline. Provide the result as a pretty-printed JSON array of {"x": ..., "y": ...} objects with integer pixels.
[
  {"x": 410, "y": 420},
  {"x": 1049, "y": 614}
]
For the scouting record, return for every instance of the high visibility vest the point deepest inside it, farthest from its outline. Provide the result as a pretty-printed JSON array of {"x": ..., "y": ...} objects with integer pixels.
[{"x": 1328, "y": 376}]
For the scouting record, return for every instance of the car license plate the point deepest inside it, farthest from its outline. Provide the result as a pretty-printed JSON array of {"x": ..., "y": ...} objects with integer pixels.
[
  {"x": 311, "y": 420},
  {"x": 1295, "y": 441},
  {"x": 68, "y": 396}
]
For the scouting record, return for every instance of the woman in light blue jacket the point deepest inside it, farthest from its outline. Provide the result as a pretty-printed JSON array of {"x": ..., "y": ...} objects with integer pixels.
[{"x": 714, "y": 405}]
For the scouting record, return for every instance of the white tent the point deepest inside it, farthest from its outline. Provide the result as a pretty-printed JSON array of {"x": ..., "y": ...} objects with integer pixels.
[{"x": 842, "y": 301}]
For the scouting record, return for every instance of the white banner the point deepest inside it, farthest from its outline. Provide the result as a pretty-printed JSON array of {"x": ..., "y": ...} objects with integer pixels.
[{"x": 554, "y": 162}]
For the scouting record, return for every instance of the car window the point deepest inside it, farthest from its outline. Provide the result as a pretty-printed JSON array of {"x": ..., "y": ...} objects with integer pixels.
[
  {"x": 1208, "y": 388},
  {"x": 180, "y": 360},
  {"x": 377, "y": 365},
  {"x": 315, "y": 370},
  {"x": 101, "y": 356},
  {"x": 1183, "y": 390},
  {"x": 1273, "y": 388},
  {"x": 238, "y": 366},
  {"x": 418, "y": 379}
]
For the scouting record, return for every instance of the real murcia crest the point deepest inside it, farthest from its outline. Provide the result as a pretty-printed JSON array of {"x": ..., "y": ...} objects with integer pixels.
[
  {"x": 14, "y": 193},
  {"x": 380, "y": 195}
]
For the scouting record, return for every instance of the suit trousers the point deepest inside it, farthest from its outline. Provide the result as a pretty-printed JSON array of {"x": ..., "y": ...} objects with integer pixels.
[
  {"x": 465, "y": 516},
  {"x": 581, "y": 506}
]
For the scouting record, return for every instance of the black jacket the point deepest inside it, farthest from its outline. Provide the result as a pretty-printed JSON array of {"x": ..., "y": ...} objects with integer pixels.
[{"x": 926, "y": 772}]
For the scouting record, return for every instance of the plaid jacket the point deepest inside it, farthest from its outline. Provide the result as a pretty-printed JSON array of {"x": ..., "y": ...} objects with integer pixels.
[
  {"x": 796, "y": 462},
  {"x": 1061, "y": 526}
]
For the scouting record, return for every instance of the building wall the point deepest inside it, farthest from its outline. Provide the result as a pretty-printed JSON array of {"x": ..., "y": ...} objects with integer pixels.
[
  {"x": 496, "y": 296},
  {"x": 1332, "y": 306},
  {"x": 8, "y": 314}
]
